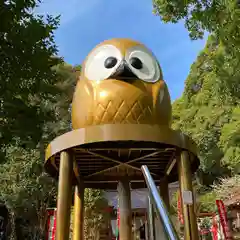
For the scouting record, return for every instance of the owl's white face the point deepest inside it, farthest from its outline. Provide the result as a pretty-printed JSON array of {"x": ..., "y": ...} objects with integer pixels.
[{"x": 107, "y": 61}]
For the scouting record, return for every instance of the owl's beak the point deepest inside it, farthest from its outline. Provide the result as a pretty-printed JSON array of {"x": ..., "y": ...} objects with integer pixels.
[{"x": 124, "y": 73}]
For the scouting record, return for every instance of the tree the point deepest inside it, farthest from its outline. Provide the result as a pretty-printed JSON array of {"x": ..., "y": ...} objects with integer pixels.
[
  {"x": 25, "y": 189},
  {"x": 96, "y": 218},
  {"x": 220, "y": 17},
  {"x": 207, "y": 202},
  {"x": 36, "y": 88},
  {"x": 209, "y": 111},
  {"x": 67, "y": 76},
  {"x": 209, "y": 107},
  {"x": 27, "y": 84},
  {"x": 224, "y": 189},
  {"x": 228, "y": 188},
  {"x": 27, "y": 51}
]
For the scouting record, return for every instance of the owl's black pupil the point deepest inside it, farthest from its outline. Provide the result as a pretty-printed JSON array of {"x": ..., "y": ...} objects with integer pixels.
[
  {"x": 110, "y": 62},
  {"x": 136, "y": 63}
]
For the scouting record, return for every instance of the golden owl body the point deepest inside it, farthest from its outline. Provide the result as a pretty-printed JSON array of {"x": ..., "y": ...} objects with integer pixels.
[{"x": 121, "y": 82}]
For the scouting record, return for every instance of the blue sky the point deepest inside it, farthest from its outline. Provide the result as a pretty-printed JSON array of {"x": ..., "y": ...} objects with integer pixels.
[{"x": 85, "y": 23}]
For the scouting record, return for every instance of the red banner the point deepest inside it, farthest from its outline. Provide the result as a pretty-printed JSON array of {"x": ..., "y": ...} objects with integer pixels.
[
  {"x": 179, "y": 208},
  {"x": 214, "y": 228},
  {"x": 118, "y": 224},
  {"x": 118, "y": 218},
  {"x": 51, "y": 227},
  {"x": 223, "y": 219},
  {"x": 54, "y": 226}
]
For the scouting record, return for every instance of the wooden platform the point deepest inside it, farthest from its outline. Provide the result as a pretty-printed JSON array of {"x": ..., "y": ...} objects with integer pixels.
[{"x": 104, "y": 154}]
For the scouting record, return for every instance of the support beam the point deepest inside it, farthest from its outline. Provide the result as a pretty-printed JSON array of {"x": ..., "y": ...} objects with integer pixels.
[
  {"x": 151, "y": 220},
  {"x": 78, "y": 224},
  {"x": 64, "y": 195},
  {"x": 164, "y": 191},
  {"x": 124, "y": 196},
  {"x": 186, "y": 189}
]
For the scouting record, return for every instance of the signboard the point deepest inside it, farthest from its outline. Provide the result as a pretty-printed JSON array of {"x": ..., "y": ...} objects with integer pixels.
[
  {"x": 187, "y": 197},
  {"x": 223, "y": 219}
]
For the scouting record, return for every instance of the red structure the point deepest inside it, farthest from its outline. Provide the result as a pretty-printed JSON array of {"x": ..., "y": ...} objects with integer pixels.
[
  {"x": 179, "y": 209},
  {"x": 214, "y": 229},
  {"x": 223, "y": 219},
  {"x": 51, "y": 224}
]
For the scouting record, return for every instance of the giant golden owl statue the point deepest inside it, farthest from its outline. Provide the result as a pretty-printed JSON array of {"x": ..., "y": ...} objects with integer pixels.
[{"x": 121, "y": 82}]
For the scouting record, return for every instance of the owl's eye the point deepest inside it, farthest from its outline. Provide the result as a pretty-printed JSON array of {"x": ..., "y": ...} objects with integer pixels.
[
  {"x": 102, "y": 62},
  {"x": 110, "y": 62},
  {"x": 143, "y": 64},
  {"x": 136, "y": 63}
]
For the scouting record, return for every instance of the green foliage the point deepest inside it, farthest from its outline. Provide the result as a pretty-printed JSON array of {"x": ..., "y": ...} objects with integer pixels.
[
  {"x": 26, "y": 56},
  {"x": 26, "y": 190},
  {"x": 230, "y": 142},
  {"x": 224, "y": 189},
  {"x": 228, "y": 188},
  {"x": 209, "y": 111},
  {"x": 27, "y": 94},
  {"x": 220, "y": 17},
  {"x": 207, "y": 202},
  {"x": 96, "y": 217},
  {"x": 173, "y": 203},
  {"x": 33, "y": 89},
  {"x": 67, "y": 77}
]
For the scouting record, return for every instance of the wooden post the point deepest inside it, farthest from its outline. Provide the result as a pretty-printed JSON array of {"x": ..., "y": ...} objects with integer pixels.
[
  {"x": 164, "y": 192},
  {"x": 64, "y": 196},
  {"x": 78, "y": 224},
  {"x": 124, "y": 196},
  {"x": 186, "y": 190}
]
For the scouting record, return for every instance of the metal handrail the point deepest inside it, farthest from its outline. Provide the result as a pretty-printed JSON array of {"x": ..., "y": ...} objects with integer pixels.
[{"x": 160, "y": 208}]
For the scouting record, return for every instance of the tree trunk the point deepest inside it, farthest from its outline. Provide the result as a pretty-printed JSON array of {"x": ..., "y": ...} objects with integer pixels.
[{"x": 12, "y": 227}]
